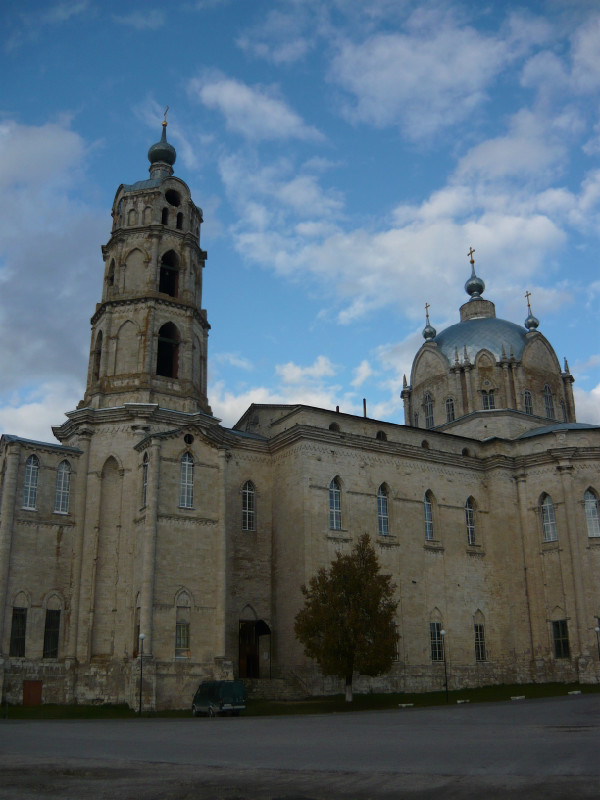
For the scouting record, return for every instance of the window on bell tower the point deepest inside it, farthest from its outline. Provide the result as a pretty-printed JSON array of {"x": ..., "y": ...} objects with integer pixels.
[
  {"x": 167, "y": 358},
  {"x": 169, "y": 274}
]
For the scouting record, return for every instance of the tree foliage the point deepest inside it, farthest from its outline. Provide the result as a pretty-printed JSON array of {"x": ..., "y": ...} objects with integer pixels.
[{"x": 347, "y": 622}]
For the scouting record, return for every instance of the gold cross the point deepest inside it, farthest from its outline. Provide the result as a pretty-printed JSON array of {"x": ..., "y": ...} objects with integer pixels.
[
  {"x": 427, "y": 307},
  {"x": 166, "y": 109},
  {"x": 470, "y": 253},
  {"x": 528, "y": 295}
]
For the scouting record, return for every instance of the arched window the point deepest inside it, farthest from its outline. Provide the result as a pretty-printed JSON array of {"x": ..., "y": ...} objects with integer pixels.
[
  {"x": 110, "y": 278},
  {"x": 563, "y": 411},
  {"x": 165, "y": 216},
  {"x": 186, "y": 481},
  {"x": 179, "y": 223},
  {"x": 591, "y": 512},
  {"x": 381, "y": 435},
  {"x": 550, "y": 533},
  {"x": 528, "y": 402},
  {"x": 97, "y": 357},
  {"x": 30, "y": 485},
  {"x": 470, "y": 521},
  {"x": 416, "y": 419},
  {"x": 182, "y": 625},
  {"x": 479, "y": 631},
  {"x": 167, "y": 357},
  {"x": 63, "y": 486},
  {"x": 488, "y": 400},
  {"x": 428, "y": 408},
  {"x": 52, "y": 628},
  {"x": 449, "y": 409},
  {"x": 334, "y": 427},
  {"x": 145, "y": 463},
  {"x": 548, "y": 402},
  {"x": 383, "y": 520},
  {"x": 169, "y": 274},
  {"x": 132, "y": 217},
  {"x": 335, "y": 505},
  {"x": 428, "y": 516},
  {"x": 248, "y": 507},
  {"x": 18, "y": 627}
]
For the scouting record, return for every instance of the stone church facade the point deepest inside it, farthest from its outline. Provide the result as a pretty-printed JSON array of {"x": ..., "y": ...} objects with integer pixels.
[{"x": 150, "y": 517}]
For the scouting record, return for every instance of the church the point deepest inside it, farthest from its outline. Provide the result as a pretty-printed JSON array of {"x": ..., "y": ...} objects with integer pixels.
[{"x": 151, "y": 537}]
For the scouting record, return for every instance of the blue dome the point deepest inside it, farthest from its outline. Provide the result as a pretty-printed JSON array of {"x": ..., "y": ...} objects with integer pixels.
[{"x": 488, "y": 333}]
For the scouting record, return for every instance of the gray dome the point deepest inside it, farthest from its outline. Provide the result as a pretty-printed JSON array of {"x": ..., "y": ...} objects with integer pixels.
[
  {"x": 475, "y": 335},
  {"x": 162, "y": 152}
]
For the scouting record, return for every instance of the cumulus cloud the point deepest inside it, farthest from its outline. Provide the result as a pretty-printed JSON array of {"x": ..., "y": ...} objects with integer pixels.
[
  {"x": 256, "y": 113},
  {"x": 32, "y": 413},
  {"x": 50, "y": 241},
  {"x": 280, "y": 38}
]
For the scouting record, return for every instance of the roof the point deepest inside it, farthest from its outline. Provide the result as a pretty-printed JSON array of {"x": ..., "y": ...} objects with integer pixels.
[
  {"x": 558, "y": 426},
  {"x": 8, "y": 437},
  {"x": 478, "y": 334}
]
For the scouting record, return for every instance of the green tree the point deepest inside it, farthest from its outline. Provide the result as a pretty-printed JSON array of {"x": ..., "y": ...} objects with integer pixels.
[{"x": 347, "y": 622}]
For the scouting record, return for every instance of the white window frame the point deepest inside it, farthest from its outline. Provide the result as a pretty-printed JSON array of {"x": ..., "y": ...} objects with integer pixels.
[
  {"x": 335, "y": 505},
  {"x": 31, "y": 482},
  {"x": 428, "y": 517},
  {"x": 248, "y": 507},
  {"x": 592, "y": 517},
  {"x": 479, "y": 630},
  {"x": 383, "y": 518},
  {"x": 436, "y": 641},
  {"x": 470, "y": 521},
  {"x": 63, "y": 488},
  {"x": 550, "y": 531},
  {"x": 186, "y": 481},
  {"x": 428, "y": 407}
]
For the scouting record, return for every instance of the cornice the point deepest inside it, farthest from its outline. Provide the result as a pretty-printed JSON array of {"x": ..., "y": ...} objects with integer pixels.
[{"x": 152, "y": 299}]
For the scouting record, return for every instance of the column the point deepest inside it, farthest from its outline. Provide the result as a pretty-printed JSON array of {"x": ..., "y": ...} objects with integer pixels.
[
  {"x": 149, "y": 548},
  {"x": 9, "y": 499}
]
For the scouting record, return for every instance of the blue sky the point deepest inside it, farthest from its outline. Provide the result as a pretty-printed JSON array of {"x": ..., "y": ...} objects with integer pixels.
[{"x": 347, "y": 154}]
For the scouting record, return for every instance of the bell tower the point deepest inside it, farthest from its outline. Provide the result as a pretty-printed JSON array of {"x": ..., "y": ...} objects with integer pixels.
[{"x": 150, "y": 332}]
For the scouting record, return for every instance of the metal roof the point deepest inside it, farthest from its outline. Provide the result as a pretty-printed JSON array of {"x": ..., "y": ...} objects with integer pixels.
[{"x": 487, "y": 333}]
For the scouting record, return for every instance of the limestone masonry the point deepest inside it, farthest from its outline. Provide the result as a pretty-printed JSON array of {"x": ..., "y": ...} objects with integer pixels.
[{"x": 150, "y": 517}]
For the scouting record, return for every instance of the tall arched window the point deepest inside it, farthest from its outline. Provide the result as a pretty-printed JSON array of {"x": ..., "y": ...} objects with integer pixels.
[
  {"x": 428, "y": 408},
  {"x": 591, "y": 512},
  {"x": 528, "y": 402},
  {"x": 169, "y": 274},
  {"x": 550, "y": 533},
  {"x": 97, "y": 357},
  {"x": 167, "y": 358},
  {"x": 428, "y": 516},
  {"x": 30, "y": 485},
  {"x": 548, "y": 402},
  {"x": 248, "y": 507},
  {"x": 165, "y": 216},
  {"x": 470, "y": 520},
  {"x": 449, "y": 409},
  {"x": 335, "y": 505},
  {"x": 63, "y": 486},
  {"x": 186, "y": 481},
  {"x": 383, "y": 520},
  {"x": 563, "y": 411},
  {"x": 145, "y": 463},
  {"x": 179, "y": 223}
]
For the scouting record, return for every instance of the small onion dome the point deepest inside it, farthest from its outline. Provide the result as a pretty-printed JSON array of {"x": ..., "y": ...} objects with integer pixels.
[
  {"x": 532, "y": 323},
  {"x": 474, "y": 286},
  {"x": 429, "y": 332},
  {"x": 162, "y": 151}
]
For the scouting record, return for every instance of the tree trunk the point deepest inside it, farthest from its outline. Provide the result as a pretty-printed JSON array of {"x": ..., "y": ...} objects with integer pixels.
[{"x": 349, "y": 688}]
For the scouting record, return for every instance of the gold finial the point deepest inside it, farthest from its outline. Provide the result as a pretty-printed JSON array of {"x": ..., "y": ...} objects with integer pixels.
[
  {"x": 470, "y": 254},
  {"x": 165, "y": 123},
  {"x": 427, "y": 307},
  {"x": 528, "y": 295}
]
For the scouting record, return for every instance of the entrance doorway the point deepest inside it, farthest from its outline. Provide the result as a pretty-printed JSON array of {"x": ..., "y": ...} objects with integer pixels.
[{"x": 254, "y": 649}]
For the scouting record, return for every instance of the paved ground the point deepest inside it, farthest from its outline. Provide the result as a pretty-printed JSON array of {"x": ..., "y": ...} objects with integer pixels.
[{"x": 534, "y": 749}]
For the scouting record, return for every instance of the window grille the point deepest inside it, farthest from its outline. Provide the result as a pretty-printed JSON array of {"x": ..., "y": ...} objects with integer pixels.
[
  {"x": 248, "y": 507},
  {"x": 437, "y": 641},
  {"x": 479, "y": 642},
  {"x": 30, "y": 486},
  {"x": 335, "y": 509},
  {"x": 470, "y": 521},
  {"x": 560, "y": 633},
  {"x": 428, "y": 406},
  {"x": 449, "y": 410},
  {"x": 549, "y": 520},
  {"x": 528, "y": 403},
  {"x": 382, "y": 511},
  {"x": 17, "y": 632},
  {"x": 51, "y": 632},
  {"x": 548, "y": 402},
  {"x": 591, "y": 513},
  {"x": 186, "y": 482},
  {"x": 63, "y": 486},
  {"x": 428, "y": 517}
]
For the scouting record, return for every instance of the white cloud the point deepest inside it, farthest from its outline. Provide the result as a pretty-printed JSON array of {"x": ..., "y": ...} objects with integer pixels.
[
  {"x": 587, "y": 405},
  {"x": 31, "y": 414},
  {"x": 142, "y": 20},
  {"x": 423, "y": 81},
  {"x": 292, "y": 373},
  {"x": 280, "y": 38},
  {"x": 361, "y": 373},
  {"x": 254, "y": 112}
]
